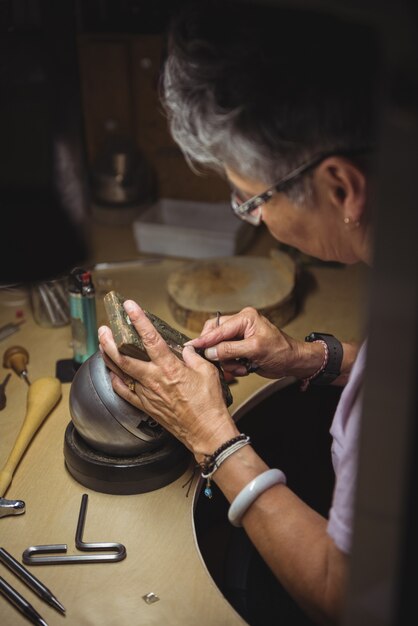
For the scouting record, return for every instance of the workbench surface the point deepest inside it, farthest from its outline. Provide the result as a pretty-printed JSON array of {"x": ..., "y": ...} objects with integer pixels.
[{"x": 156, "y": 528}]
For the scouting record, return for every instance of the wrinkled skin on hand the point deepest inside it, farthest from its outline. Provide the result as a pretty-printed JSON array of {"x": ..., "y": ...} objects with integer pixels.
[
  {"x": 185, "y": 397},
  {"x": 250, "y": 335}
]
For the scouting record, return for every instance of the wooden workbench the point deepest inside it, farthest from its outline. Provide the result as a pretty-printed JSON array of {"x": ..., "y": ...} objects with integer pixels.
[{"x": 157, "y": 527}]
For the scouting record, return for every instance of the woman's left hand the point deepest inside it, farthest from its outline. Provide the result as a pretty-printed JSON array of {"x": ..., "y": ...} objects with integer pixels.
[{"x": 185, "y": 396}]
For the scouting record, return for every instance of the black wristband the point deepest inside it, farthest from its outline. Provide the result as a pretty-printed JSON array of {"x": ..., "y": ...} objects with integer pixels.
[{"x": 335, "y": 356}]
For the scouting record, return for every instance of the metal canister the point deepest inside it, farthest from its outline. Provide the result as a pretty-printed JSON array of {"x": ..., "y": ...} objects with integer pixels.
[{"x": 82, "y": 298}]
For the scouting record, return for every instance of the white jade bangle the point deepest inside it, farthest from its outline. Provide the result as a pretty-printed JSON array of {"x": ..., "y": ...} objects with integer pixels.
[{"x": 250, "y": 493}]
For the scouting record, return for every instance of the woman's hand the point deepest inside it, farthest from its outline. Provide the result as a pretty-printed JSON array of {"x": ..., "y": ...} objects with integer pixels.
[
  {"x": 185, "y": 397},
  {"x": 249, "y": 335}
]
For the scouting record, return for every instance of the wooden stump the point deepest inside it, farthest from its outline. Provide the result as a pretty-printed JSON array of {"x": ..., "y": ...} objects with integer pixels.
[{"x": 200, "y": 288}]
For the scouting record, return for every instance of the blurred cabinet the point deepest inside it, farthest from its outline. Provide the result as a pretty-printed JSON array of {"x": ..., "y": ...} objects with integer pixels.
[{"x": 119, "y": 79}]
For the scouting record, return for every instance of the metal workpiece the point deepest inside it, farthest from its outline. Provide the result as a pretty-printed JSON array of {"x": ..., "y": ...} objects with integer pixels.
[{"x": 117, "y": 550}]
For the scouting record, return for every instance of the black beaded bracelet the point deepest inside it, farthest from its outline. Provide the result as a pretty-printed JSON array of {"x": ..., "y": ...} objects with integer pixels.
[
  {"x": 210, "y": 459},
  {"x": 214, "y": 461}
]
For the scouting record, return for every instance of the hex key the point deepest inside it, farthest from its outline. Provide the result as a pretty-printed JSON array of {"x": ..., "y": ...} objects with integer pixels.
[{"x": 118, "y": 550}]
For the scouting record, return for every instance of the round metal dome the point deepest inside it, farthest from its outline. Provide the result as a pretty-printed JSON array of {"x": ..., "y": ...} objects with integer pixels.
[{"x": 105, "y": 420}]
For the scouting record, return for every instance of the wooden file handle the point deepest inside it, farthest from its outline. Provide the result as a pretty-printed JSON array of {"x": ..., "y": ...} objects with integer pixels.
[
  {"x": 43, "y": 395},
  {"x": 16, "y": 358}
]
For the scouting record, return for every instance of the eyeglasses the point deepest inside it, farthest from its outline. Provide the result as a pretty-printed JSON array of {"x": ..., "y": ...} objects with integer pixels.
[{"x": 250, "y": 210}]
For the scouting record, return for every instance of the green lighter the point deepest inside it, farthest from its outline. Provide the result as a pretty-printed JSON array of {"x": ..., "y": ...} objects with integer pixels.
[{"x": 83, "y": 314}]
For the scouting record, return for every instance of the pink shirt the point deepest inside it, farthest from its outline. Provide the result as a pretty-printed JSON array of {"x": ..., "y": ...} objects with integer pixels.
[{"x": 345, "y": 431}]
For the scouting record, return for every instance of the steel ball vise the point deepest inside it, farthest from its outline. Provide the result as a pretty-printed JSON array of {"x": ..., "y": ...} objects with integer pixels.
[{"x": 110, "y": 445}]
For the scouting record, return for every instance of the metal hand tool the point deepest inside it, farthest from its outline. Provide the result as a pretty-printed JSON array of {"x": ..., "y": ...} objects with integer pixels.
[
  {"x": 3, "y": 392},
  {"x": 34, "y": 583},
  {"x": 42, "y": 397},
  {"x": 118, "y": 550},
  {"x": 20, "y": 603},
  {"x": 17, "y": 359},
  {"x": 11, "y": 507},
  {"x": 9, "y": 329}
]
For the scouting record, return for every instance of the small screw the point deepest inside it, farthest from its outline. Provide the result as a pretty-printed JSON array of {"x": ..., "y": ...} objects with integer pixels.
[{"x": 150, "y": 598}]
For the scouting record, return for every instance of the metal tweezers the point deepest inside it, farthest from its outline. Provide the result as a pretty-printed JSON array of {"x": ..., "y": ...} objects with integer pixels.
[{"x": 118, "y": 550}]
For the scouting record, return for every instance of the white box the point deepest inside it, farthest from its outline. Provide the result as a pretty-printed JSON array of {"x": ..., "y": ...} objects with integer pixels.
[{"x": 185, "y": 228}]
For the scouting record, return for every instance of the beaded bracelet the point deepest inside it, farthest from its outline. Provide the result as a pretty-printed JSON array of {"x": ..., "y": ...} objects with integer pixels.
[
  {"x": 220, "y": 459},
  {"x": 210, "y": 459},
  {"x": 306, "y": 381},
  {"x": 213, "y": 461}
]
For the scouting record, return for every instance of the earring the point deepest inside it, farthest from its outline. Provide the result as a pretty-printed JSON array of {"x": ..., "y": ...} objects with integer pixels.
[{"x": 351, "y": 223}]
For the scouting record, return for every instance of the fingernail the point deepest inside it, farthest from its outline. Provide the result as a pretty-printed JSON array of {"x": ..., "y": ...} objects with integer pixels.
[
  {"x": 241, "y": 371},
  {"x": 128, "y": 306},
  {"x": 189, "y": 346},
  {"x": 101, "y": 330},
  {"x": 211, "y": 353}
]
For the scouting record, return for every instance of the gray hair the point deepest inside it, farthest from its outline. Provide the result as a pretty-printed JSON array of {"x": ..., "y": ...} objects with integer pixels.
[{"x": 236, "y": 97}]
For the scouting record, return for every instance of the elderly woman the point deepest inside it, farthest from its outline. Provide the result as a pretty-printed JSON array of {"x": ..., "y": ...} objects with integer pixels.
[{"x": 281, "y": 103}]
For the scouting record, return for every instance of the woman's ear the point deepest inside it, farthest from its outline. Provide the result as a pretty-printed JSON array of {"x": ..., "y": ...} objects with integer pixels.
[{"x": 345, "y": 186}]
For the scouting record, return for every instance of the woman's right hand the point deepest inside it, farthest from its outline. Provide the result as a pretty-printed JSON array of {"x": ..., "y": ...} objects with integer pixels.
[{"x": 249, "y": 335}]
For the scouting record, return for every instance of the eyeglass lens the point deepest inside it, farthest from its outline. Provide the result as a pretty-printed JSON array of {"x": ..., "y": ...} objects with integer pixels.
[{"x": 251, "y": 214}]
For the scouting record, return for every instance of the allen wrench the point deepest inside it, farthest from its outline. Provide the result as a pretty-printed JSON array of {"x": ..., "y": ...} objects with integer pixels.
[{"x": 118, "y": 551}]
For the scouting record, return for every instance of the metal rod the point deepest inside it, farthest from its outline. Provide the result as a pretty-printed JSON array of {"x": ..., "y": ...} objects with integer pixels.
[
  {"x": 20, "y": 603},
  {"x": 29, "y": 555},
  {"x": 9, "y": 329},
  {"x": 34, "y": 583}
]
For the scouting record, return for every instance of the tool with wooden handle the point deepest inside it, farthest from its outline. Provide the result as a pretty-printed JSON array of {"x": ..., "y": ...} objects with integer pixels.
[
  {"x": 17, "y": 359},
  {"x": 43, "y": 394}
]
